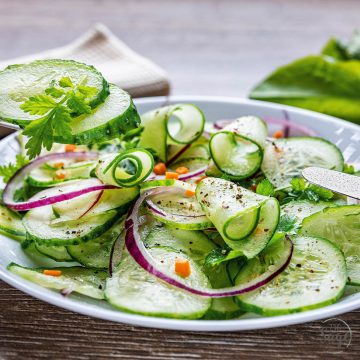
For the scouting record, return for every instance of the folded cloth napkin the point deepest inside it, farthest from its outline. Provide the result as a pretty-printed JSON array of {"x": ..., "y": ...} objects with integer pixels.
[{"x": 118, "y": 63}]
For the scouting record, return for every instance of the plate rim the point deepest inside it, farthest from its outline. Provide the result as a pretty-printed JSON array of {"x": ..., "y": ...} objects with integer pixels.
[{"x": 116, "y": 315}]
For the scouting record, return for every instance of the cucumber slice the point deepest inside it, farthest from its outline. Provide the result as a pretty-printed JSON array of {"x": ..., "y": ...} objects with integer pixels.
[
  {"x": 38, "y": 225},
  {"x": 19, "y": 82},
  {"x": 10, "y": 222},
  {"x": 286, "y": 158},
  {"x": 89, "y": 282},
  {"x": 191, "y": 163},
  {"x": 110, "y": 120},
  {"x": 341, "y": 226},
  {"x": 236, "y": 156},
  {"x": 315, "y": 277},
  {"x": 127, "y": 169},
  {"x": 298, "y": 210},
  {"x": 237, "y": 150},
  {"x": 177, "y": 210},
  {"x": 45, "y": 176},
  {"x": 134, "y": 290},
  {"x": 158, "y": 130},
  {"x": 245, "y": 220},
  {"x": 195, "y": 244},
  {"x": 57, "y": 253},
  {"x": 96, "y": 253}
]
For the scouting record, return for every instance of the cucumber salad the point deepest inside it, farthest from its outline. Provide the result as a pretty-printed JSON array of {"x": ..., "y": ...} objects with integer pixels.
[{"x": 163, "y": 214}]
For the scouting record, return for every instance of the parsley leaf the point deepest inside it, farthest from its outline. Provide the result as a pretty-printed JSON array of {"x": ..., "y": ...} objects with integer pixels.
[
  {"x": 298, "y": 184},
  {"x": 38, "y": 104},
  {"x": 56, "y": 107},
  {"x": 286, "y": 223},
  {"x": 265, "y": 188},
  {"x": 219, "y": 255},
  {"x": 7, "y": 171}
]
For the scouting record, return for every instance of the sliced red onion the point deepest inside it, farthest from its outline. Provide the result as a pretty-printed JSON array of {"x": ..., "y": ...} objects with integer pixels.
[
  {"x": 66, "y": 292},
  {"x": 138, "y": 251},
  {"x": 17, "y": 181},
  {"x": 93, "y": 204}
]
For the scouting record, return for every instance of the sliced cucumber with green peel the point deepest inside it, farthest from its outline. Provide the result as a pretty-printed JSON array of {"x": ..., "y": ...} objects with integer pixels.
[
  {"x": 11, "y": 223},
  {"x": 195, "y": 244},
  {"x": 57, "y": 253},
  {"x": 96, "y": 253},
  {"x": 237, "y": 150},
  {"x": 177, "y": 210},
  {"x": 47, "y": 175},
  {"x": 298, "y": 210},
  {"x": 89, "y": 282},
  {"x": 127, "y": 169},
  {"x": 20, "y": 82},
  {"x": 159, "y": 130},
  {"x": 341, "y": 226},
  {"x": 245, "y": 220},
  {"x": 134, "y": 290},
  {"x": 110, "y": 120},
  {"x": 286, "y": 158},
  {"x": 192, "y": 163},
  {"x": 315, "y": 277}
]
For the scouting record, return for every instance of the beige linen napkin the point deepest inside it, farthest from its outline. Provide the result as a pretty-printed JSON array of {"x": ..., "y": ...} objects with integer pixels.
[{"x": 118, "y": 63}]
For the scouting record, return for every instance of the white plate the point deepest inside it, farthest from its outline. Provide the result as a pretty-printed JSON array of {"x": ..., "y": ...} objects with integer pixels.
[{"x": 344, "y": 134}]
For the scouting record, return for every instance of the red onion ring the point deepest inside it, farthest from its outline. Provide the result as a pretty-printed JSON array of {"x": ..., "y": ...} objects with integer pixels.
[
  {"x": 177, "y": 155},
  {"x": 18, "y": 178},
  {"x": 138, "y": 251}
]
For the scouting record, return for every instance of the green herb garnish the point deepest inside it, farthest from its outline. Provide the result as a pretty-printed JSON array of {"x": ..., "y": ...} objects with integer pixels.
[
  {"x": 7, "y": 171},
  {"x": 57, "y": 107}
]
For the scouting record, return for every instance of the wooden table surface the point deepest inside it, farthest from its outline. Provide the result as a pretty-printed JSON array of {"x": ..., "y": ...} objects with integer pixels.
[{"x": 207, "y": 47}]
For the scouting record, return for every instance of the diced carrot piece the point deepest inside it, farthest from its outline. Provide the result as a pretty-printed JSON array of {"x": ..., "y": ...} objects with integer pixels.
[
  {"x": 160, "y": 169},
  {"x": 189, "y": 193},
  {"x": 253, "y": 187},
  {"x": 59, "y": 165},
  {"x": 182, "y": 170},
  {"x": 52, "y": 272},
  {"x": 60, "y": 175},
  {"x": 182, "y": 267},
  {"x": 278, "y": 134},
  {"x": 70, "y": 148},
  {"x": 171, "y": 175},
  {"x": 200, "y": 179}
]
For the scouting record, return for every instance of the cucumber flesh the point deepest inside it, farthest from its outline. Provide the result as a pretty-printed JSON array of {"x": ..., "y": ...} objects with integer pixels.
[
  {"x": 315, "y": 277},
  {"x": 110, "y": 120},
  {"x": 159, "y": 130},
  {"x": 231, "y": 207},
  {"x": 10, "y": 223},
  {"x": 180, "y": 211},
  {"x": 96, "y": 253},
  {"x": 234, "y": 155},
  {"x": 89, "y": 282},
  {"x": 20, "y": 82},
  {"x": 341, "y": 226},
  {"x": 286, "y": 158},
  {"x": 133, "y": 289},
  {"x": 57, "y": 253}
]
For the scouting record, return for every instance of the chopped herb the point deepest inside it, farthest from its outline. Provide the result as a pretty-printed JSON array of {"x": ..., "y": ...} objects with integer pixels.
[
  {"x": 7, "y": 171},
  {"x": 265, "y": 188}
]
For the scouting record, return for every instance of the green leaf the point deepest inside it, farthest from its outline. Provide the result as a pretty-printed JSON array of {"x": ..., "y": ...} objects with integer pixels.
[
  {"x": 66, "y": 82},
  {"x": 335, "y": 49},
  {"x": 265, "y": 188},
  {"x": 54, "y": 92},
  {"x": 38, "y": 105},
  {"x": 298, "y": 184},
  {"x": 219, "y": 255},
  {"x": 286, "y": 223},
  {"x": 88, "y": 91},
  {"x": 349, "y": 169},
  {"x": 78, "y": 105},
  {"x": 317, "y": 83},
  {"x": 7, "y": 171},
  {"x": 322, "y": 193}
]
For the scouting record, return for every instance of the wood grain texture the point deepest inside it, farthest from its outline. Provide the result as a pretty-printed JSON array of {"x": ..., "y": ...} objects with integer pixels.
[{"x": 209, "y": 47}]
